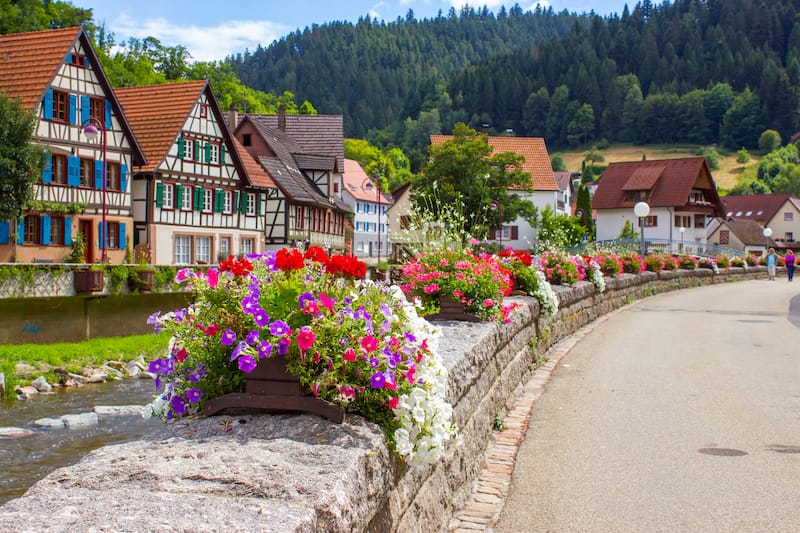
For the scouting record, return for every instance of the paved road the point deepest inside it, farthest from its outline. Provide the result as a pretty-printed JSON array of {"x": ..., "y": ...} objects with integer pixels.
[{"x": 679, "y": 413}]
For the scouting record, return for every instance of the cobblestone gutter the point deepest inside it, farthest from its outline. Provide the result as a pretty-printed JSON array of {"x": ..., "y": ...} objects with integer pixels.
[{"x": 304, "y": 474}]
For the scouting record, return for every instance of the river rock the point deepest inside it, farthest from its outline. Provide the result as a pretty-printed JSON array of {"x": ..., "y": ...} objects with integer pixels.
[
  {"x": 41, "y": 384},
  {"x": 14, "y": 433},
  {"x": 81, "y": 420},
  {"x": 25, "y": 393},
  {"x": 133, "y": 368},
  {"x": 97, "y": 376},
  {"x": 118, "y": 410},
  {"x": 49, "y": 423}
]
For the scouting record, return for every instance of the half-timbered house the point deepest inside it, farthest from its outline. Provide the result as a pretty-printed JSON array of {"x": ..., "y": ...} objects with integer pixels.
[
  {"x": 304, "y": 156},
  {"x": 57, "y": 75},
  {"x": 199, "y": 198}
]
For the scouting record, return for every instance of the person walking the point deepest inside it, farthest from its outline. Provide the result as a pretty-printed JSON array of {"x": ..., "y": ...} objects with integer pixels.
[
  {"x": 772, "y": 261},
  {"x": 789, "y": 259}
]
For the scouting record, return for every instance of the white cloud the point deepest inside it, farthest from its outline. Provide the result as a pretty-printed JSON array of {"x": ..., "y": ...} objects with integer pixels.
[{"x": 207, "y": 43}]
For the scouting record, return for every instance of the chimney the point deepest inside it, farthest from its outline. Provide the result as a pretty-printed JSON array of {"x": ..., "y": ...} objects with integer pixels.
[
  {"x": 282, "y": 117},
  {"x": 233, "y": 117}
]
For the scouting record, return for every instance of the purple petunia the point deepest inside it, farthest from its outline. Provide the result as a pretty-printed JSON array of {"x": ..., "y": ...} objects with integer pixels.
[
  {"x": 178, "y": 405},
  {"x": 305, "y": 297},
  {"x": 249, "y": 305},
  {"x": 163, "y": 366},
  {"x": 194, "y": 394},
  {"x": 261, "y": 317},
  {"x": 374, "y": 362},
  {"x": 279, "y": 328},
  {"x": 228, "y": 337},
  {"x": 252, "y": 337},
  {"x": 264, "y": 350},
  {"x": 283, "y": 346},
  {"x": 246, "y": 363},
  {"x": 242, "y": 346},
  {"x": 377, "y": 380}
]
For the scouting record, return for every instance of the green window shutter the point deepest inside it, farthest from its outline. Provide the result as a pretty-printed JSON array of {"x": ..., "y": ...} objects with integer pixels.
[
  {"x": 177, "y": 202},
  {"x": 123, "y": 237},
  {"x": 219, "y": 200},
  {"x": 198, "y": 198},
  {"x": 197, "y": 147},
  {"x": 181, "y": 146},
  {"x": 221, "y": 154},
  {"x": 44, "y": 227},
  {"x": 208, "y": 152},
  {"x": 159, "y": 194},
  {"x": 259, "y": 199},
  {"x": 244, "y": 203},
  {"x": 235, "y": 201},
  {"x": 67, "y": 231}
]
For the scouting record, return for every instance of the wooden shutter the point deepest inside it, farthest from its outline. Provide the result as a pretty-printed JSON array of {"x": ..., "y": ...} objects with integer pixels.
[
  {"x": 514, "y": 233},
  {"x": 73, "y": 108},
  {"x": 177, "y": 200},
  {"x": 73, "y": 171},
  {"x": 4, "y": 232},
  {"x": 44, "y": 229},
  {"x": 181, "y": 146},
  {"x": 198, "y": 198},
  {"x": 108, "y": 115},
  {"x": 98, "y": 174},
  {"x": 67, "y": 231},
  {"x": 47, "y": 105},
  {"x": 102, "y": 241},
  {"x": 208, "y": 152},
  {"x": 219, "y": 200},
  {"x": 47, "y": 171},
  {"x": 197, "y": 147},
  {"x": 259, "y": 199},
  {"x": 20, "y": 230},
  {"x": 235, "y": 205},
  {"x": 123, "y": 177},
  {"x": 243, "y": 205},
  {"x": 123, "y": 237},
  {"x": 86, "y": 108},
  {"x": 159, "y": 194},
  {"x": 221, "y": 154}
]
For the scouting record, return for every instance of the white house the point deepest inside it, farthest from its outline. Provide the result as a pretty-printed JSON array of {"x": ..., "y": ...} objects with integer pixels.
[{"x": 371, "y": 235}]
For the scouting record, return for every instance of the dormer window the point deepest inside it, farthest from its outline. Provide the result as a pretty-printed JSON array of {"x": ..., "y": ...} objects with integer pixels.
[
  {"x": 696, "y": 197},
  {"x": 79, "y": 60},
  {"x": 636, "y": 196}
]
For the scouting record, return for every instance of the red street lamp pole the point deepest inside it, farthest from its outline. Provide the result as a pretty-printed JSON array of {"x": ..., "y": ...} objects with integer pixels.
[{"x": 92, "y": 127}]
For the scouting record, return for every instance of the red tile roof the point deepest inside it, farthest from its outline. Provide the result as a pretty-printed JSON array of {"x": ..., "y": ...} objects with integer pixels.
[
  {"x": 158, "y": 113},
  {"x": 354, "y": 178},
  {"x": 759, "y": 207},
  {"x": 258, "y": 176},
  {"x": 537, "y": 161},
  {"x": 669, "y": 182}
]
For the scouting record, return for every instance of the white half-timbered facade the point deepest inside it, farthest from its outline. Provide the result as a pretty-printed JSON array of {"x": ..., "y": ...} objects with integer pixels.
[
  {"x": 196, "y": 201},
  {"x": 84, "y": 191}
]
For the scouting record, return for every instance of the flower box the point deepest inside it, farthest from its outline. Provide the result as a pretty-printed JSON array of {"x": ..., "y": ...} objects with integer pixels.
[
  {"x": 142, "y": 279},
  {"x": 88, "y": 280},
  {"x": 450, "y": 309}
]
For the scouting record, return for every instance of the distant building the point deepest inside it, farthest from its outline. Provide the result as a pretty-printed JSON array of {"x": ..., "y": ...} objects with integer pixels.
[
  {"x": 779, "y": 212},
  {"x": 371, "y": 230},
  {"x": 745, "y": 235}
]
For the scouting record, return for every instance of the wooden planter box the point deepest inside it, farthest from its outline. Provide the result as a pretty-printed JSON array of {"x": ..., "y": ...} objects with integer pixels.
[
  {"x": 88, "y": 280},
  {"x": 271, "y": 388},
  {"x": 142, "y": 280},
  {"x": 450, "y": 309}
]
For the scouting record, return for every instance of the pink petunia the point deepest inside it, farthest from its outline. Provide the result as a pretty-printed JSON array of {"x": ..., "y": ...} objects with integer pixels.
[
  {"x": 305, "y": 338},
  {"x": 349, "y": 355},
  {"x": 369, "y": 343}
]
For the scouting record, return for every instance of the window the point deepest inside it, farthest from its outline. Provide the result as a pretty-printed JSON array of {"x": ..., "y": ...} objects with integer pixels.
[
  {"x": 696, "y": 197},
  {"x": 247, "y": 247},
  {"x": 789, "y": 236},
  {"x": 228, "y": 206},
  {"x": 32, "y": 229},
  {"x": 699, "y": 221},
  {"x": 87, "y": 172},
  {"x": 78, "y": 60},
  {"x": 203, "y": 110},
  {"x": 169, "y": 196},
  {"x": 59, "y": 167},
  {"x": 112, "y": 176},
  {"x": 57, "y": 230},
  {"x": 208, "y": 200},
  {"x": 405, "y": 222},
  {"x": 683, "y": 221},
  {"x": 636, "y": 196},
  {"x": 788, "y": 217},
  {"x": 113, "y": 235},
  {"x": 251, "y": 204},
  {"x": 182, "y": 249},
  {"x": 97, "y": 109},
  {"x": 188, "y": 149},
  {"x": 186, "y": 198},
  {"x": 224, "y": 247},
  {"x": 60, "y": 106},
  {"x": 650, "y": 222},
  {"x": 360, "y": 246},
  {"x": 299, "y": 217},
  {"x": 202, "y": 250},
  {"x": 724, "y": 237},
  {"x": 214, "y": 157},
  {"x": 336, "y": 187},
  {"x": 247, "y": 140}
]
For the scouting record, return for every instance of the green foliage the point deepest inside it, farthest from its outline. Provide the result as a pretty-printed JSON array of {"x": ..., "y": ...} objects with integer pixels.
[
  {"x": 779, "y": 171},
  {"x": 17, "y": 16},
  {"x": 770, "y": 140},
  {"x": 57, "y": 207},
  {"x": 391, "y": 168},
  {"x": 559, "y": 231},
  {"x": 742, "y": 156},
  {"x": 711, "y": 156},
  {"x": 583, "y": 206},
  {"x": 77, "y": 252},
  {"x": 557, "y": 163},
  {"x": 628, "y": 231},
  {"x": 21, "y": 162}
]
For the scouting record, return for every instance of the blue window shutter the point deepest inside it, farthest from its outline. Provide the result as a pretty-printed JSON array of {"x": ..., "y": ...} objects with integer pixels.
[
  {"x": 73, "y": 171},
  {"x": 123, "y": 238},
  {"x": 67, "y": 231},
  {"x": 47, "y": 171},
  {"x": 101, "y": 232},
  {"x": 123, "y": 177},
  {"x": 73, "y": 109},
  {"x": 44, "y": 229},
  {"x": 159, "y": 194},
  {"x": 4, "y": 232},
  {"x": 98, "y": 174},
  {"x": 86, "y": 108},
  {"x": 47, "y": 111},
  {"x": 20, "y": 230},
  {"x": 108, "y": 115},
  {"x": 86, "y": 62}
]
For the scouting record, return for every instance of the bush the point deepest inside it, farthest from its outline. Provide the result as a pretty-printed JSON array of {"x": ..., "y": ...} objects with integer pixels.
[
  {"x": 723, "y": 261},
  {"x": 687, "y": 262},
  {"x": 742, "y": 156},
  {"x": 654, "y": 263},
  {"x": 632, "y": 263},
  {"x": 609, "y": 262}
]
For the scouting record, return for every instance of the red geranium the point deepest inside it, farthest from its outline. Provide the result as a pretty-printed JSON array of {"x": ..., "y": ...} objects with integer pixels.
[
  {"x": 289, "y": 259},
  {"x": 317, "y": 254},
  {"x": 236, "y": 267}
]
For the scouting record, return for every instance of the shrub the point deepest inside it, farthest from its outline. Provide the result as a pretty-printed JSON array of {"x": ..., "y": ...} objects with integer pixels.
[
  {"x": 654, "y": 263},
  {"x": 609, "y": 262},
  {"x": 723, "y": 261},
  {"x": 687, "y": 262},
  {"x": 632, "y": 263}
]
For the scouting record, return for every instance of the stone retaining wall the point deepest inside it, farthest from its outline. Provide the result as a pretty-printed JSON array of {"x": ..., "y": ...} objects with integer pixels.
[{"x": 248, "y": 472}]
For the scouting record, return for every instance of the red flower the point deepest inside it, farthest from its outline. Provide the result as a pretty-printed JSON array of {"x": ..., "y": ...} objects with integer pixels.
[
  {"x": 237, "y": 268},
  {"x": 316, "y": 254},
  {"x": 287, "y": 259}
]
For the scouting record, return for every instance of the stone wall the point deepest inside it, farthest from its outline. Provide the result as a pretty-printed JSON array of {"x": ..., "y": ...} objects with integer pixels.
[{"x": 249, "y": 472}]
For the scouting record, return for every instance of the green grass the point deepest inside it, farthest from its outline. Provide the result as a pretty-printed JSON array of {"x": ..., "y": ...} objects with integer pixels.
[{"x": 36, "y": 360}]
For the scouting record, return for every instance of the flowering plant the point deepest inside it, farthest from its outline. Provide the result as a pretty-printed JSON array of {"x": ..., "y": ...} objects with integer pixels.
[
  {"x": 687, "y": 262},
  {"x": 654, "y": 263},
  {"x": 723, "y": 261},
  {"x": 530, "y": 278},
  {"x": 751, "y": 260},
  {"x": 632, "y": 263},
  {"x": 739, "y": 262},
  {"x": 709, "y": 263},
  {"x": 609, "y": 262},
  {"x": 670, "y": 262},
  {"x": 595, "y": 274},
  {"x": 357, "y": 344},
  {"x": 477, "y": 280},
  {"x": 561, "y": 268}
]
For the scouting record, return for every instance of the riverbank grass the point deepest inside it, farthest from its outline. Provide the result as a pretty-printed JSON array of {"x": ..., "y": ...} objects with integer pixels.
[{"x": 22, "y": 363}]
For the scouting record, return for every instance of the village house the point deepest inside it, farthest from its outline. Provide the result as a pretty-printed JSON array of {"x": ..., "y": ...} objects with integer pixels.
[
  {"x": 778, "y": 212},
  {"x": 744, "y": 235},
  {"x": 304, "y": 157},
  {"x": 518, "y": 233},
  {"x": 680, "y": 193},
  {"x": 84, "y": 193},
  {"x": 371, "y": 236},
  {"x": 198, "y": 199}
]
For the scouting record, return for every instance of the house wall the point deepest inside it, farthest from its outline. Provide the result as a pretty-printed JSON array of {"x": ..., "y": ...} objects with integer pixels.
[
  {"x": 781, "y": 226},
  {"x": 733, "y": 241},
  {"x": 611, "y": 221}
]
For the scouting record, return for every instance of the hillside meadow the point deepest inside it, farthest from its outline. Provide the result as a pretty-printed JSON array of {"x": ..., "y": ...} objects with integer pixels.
[{"x": 726, "y": 176}]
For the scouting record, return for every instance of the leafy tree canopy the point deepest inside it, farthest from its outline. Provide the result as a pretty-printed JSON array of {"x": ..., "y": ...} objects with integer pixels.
[
  {"x": 20, "y": 161},
  {"x": 17, "y": 16},
  {"x": 391, "y": 168}
]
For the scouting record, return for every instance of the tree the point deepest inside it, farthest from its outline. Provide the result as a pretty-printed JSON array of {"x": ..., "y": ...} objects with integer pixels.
[
  {"x": 21, "y": 162},
  {"x": 582, "y": 125},
  {"x": 742, "y": 120},
  {"x": 742, "y": 156},
  {"x": 464, "y": 169},
  {"x": 557, "y": 163},
  {"x": 769, "y": 141},
  {"x": 593, "y": 156},
  {"x": 628, "y": 231},
  {"x": 583, "y": 210}
]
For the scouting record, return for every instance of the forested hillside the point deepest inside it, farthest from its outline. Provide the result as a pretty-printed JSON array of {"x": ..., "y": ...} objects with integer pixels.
[{"x": 699, "y": 71}]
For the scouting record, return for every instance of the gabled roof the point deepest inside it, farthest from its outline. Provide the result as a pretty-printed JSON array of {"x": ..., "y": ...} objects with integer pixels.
[
  {"x": 563, "y": 179},
  {"x": 354, "y": 180},
  {"x": 760, "y": 207},
  {"x": 258, "y": 176},
  {"x": 669, "y": 182},
  {"x": 321, "y": 135},
  {"x": 747, "y": 231},
  {"x": 30, "y": 61},
  {"x": 537, "y": 161}
]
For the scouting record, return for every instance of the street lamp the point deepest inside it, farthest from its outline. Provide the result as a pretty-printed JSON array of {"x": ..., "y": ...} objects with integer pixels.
[
  {"x": 369, "y": 185},
  {"x": 93, "y": 127},
  {"x": 682, "y": 230},
  {"x": 499, "y": 208},
  {"x": 641, "y": 210},
  {"x": 767, "y": 233}
]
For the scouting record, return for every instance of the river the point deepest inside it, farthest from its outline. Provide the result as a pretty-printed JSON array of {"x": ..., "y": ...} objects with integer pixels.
[{"x": 25, "y": 460}]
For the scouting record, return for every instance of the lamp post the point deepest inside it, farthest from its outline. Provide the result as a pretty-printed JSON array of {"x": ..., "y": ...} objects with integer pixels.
[
  {"x": 641, "y": 210},
  {"x": 499, "y": 208},
  {"x": 767, "y": 233},
  {"x": 369, "y": 185},
  {"x": 681, "y": 246},
  {"x": 93, "y": 127}
]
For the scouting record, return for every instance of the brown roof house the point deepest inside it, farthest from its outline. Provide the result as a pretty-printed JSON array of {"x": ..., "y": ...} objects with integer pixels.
[
  {"x": 57, "y": 75},
  {"x": 778, "y": 212},
  {"x": 745, "y": 235},
  {"x": 518, "y": 233},
  {"x": 371, "y": 236},
  {"x": 200, "y": 197},
  {"x": 304, "y": 157},
  {"x": 679, "y": 192}
]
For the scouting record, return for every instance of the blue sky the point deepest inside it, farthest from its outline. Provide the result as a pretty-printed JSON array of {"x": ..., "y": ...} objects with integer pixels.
[{"x": 211, "y": 30}]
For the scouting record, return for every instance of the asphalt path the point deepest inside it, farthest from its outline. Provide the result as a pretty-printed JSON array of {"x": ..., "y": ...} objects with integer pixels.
[{"x": 679, "y": 413}]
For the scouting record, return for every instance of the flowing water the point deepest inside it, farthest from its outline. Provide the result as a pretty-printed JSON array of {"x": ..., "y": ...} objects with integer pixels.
[{"x": 25, "y": 460}]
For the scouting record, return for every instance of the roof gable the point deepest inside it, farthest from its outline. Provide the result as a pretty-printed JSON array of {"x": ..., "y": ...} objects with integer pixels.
[
  {"x": 354, "y": 178},
  {"x": 533, "y": 149},
  {"x": 759, "y": 207},
  {"x": 321, "y": 135}
]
